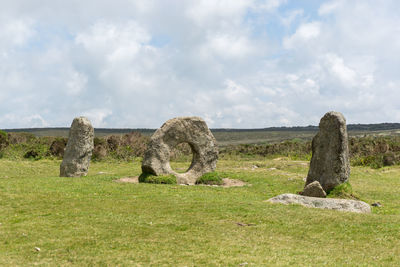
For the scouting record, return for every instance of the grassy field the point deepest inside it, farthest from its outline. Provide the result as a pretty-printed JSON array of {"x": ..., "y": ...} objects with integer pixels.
[{"x": 94, "y": 221}]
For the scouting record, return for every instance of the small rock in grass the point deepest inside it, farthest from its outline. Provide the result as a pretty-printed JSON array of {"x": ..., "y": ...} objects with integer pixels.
[
  {"x": 376, "y": 204},
  {"x": 323, "y": 203},
  {"x": 37, "y": 249},
  {"x": 245, "y": 224},
  {"x": 314, "y": 190}
]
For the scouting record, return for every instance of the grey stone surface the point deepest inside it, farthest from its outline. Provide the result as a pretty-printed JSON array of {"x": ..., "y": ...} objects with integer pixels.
[
  {"x": 313, "y": 190},
  {"x": 323, "y": 203},
  {"x": 79, "y": 149},
  {"x": 330, "y": 164},
  {"x": 191, "y": 130}
]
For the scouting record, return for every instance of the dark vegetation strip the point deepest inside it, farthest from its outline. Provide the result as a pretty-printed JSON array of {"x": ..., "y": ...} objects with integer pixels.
[
  {"x": 373, "y": 151},
  {"x": 63, "y": 131}
]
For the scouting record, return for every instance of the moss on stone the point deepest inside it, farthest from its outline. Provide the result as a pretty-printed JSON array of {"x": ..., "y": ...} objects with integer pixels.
[{"x": 153, "y": 179}]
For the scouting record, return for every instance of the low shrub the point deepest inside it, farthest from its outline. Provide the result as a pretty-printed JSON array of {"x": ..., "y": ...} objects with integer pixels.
[
  {"x": 99, "y": 152},
  {"x": 32, "y": 154},
  {"x": 21, "y": 138},
  {"x": 296, "y": 149},
  {"x": 389, "y": 159},
  {"x": 57, "y": 147},
  {"x": 153, "y": 179},
  {"x": 373, "y": 161},
  {"x": 3, "y": 139},
  {"x": 120, "y": 147},
  {"x": 211, "y": 178},
  {"x": 36, "y": 151}
]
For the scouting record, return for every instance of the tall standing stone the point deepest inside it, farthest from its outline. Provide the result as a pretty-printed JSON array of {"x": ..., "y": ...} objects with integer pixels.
[
  {"x": 330, "y": 164},
  {"x": 79, "y": 149}
]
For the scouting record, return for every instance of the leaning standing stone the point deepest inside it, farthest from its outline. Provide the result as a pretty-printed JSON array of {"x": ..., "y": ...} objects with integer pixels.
[
  {"x": 330, "y": 164},
  {"x": 79, "y": 149},
  {"x": 191, "y": 130}
]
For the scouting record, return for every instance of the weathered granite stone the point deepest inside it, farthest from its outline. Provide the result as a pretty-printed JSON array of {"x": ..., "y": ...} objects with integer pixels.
[
  {"x": 79, "y": 149},
  {"x": 323, "y": 203},
  {"x": 313, "y": 190},
  {"x": 191, "y": 130},
  {"x": 330, "y": 164}
]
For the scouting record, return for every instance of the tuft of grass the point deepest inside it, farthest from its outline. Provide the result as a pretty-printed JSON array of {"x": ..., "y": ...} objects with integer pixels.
[
  {"x": 211, "y": 178},
  {"x": 153, "y": 179},
  {"x": 344, "y": 190}
]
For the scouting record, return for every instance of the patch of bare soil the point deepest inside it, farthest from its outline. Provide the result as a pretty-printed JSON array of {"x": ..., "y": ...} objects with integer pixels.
[
  {"x": 282, "y": 158},
  {"x": 232, "y": 182},
  {"x": 131, "y": 180}
]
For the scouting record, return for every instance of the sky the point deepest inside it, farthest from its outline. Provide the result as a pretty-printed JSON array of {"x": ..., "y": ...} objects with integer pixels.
[{"x": 235, "y": 63}]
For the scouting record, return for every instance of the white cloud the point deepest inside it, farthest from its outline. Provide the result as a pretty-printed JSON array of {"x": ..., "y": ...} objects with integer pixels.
[
  {"x": 236, "y": 63},
  {"x": 269, "y": 5},
  {"x": 77, "y": 83},
  {"x": 15, "y": 32},
  {"x": 115, "y": 42},
  {"x": 337, "y": 67},
  {"x": 303, "y": 34},
  {"x": 207, "y": 12},
  {"x": 235, "y": 92},
  {"x": 289, "y": 18},
  {"x": 329, "y": 7},
  {"x": 227, "y": 47},
  {"x": 20, "y": 121},
  {"x": 97, "y": 116}
]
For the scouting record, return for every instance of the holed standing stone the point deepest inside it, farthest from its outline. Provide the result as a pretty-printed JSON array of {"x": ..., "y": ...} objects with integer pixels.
[
  {"x": 191, "y": 130},
  {"x": 79, "y": 149},
  {"x": 330, "y": 164}
]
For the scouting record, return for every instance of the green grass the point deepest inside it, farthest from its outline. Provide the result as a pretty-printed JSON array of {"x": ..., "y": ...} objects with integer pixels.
[{"x": 93, "y": 221}]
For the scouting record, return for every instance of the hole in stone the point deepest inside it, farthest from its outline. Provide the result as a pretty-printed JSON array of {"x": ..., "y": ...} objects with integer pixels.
[{"x": 181, "y": 157}]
